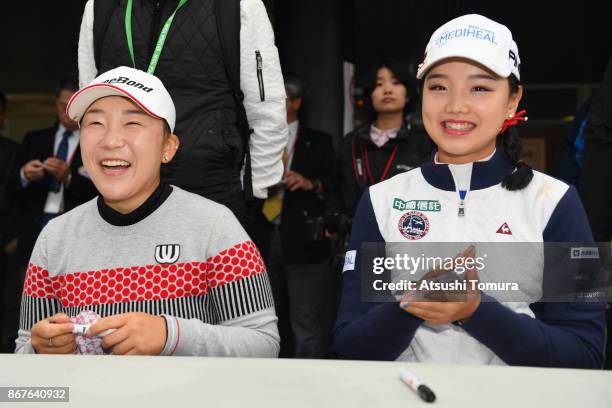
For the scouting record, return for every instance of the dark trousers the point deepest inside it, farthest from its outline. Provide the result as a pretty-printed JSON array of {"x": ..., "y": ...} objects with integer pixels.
[{"x": 300, "y": 298}]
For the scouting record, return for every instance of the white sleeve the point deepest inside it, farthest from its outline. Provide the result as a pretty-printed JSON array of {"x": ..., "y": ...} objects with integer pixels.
[
  {"x": 22, "y": 177},
  {"x": 23, "y": 343},
  {"x": 264, "y": 97},
  {"x": 252, "y": 335},
  {"x": 87, "y": 61}
]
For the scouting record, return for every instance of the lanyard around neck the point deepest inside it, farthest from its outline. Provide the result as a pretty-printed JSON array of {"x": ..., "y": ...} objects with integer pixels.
[
  {"x": 358, "y": 164},
  {"x": 383, "y": 176},
  {"x": 160, "y": 41}
]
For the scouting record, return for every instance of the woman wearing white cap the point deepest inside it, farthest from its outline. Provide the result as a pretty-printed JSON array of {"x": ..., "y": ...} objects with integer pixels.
[
  {"x": 477, "y": 189},
  {"x": 146, "y": 268}
]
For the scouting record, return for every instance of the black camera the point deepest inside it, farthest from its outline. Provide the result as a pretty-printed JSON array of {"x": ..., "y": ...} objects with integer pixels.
[
  {"x": 315, "y": 228},
  {"x": 338, "y": 223}
]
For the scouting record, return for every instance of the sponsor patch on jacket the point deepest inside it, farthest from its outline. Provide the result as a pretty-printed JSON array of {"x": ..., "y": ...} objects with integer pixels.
[
  {"x": 504, "y": 229},
  {"x": 417, "y": 205},
  {"x": 349, "y": 260},
  {"x": 584, "y": 253},
  {"x": 413, "y": 225}
]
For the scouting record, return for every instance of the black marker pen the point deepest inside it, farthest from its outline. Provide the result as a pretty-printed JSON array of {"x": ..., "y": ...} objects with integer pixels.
[{"x": 417, "y": 386}]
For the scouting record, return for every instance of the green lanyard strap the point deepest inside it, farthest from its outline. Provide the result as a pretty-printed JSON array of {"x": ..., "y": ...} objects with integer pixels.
[{"x": 160, "y": 41}]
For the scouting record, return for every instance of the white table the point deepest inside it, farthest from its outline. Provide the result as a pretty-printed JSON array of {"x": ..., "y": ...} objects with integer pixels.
[{"x": 114, "y": 381}]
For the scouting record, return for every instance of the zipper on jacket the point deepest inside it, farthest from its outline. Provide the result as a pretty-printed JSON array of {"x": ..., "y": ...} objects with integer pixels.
[
  {"x": 262, "y": 90},
  {"x": 462, "y": 195},
  {"x": 462, "y": 179},
  {"x": 460, "y": 229},
  {"x": 155, "y": 25}
]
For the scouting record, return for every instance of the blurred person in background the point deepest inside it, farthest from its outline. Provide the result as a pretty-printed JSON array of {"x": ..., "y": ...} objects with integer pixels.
[
  {"x": 8, "y": 153},
  {"x": 290, "y": 234},
  {"x": 596, "y": 187},
  {"x": 392, "y": 142},
  {"x": 48, "y": 177},
  {"x": 3, "y": 122},
  {"x": 389, "y": 143},
  {"x": 8, "y": 243},
  {"x": 570, "y": 168}
]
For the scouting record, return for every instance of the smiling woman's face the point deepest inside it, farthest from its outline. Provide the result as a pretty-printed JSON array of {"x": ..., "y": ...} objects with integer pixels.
[
  {"x": 122, "y": 149},
  {"x": 464, "y": 107}
]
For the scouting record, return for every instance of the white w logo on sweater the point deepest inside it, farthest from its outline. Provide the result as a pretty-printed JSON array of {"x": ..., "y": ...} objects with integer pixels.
[{"x": 167, "y": 254}]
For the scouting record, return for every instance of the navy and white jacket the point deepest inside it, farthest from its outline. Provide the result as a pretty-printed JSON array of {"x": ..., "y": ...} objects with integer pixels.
[{"x": 535, "y": 334}]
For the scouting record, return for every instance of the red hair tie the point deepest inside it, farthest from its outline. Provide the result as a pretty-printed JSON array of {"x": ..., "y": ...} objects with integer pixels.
[{"x": 514, "y": 120}]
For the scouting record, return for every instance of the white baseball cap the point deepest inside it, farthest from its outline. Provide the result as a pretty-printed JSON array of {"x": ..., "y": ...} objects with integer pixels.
[
  {"x": 476, "y": 38},
  {"x": 144, "y": 89}
]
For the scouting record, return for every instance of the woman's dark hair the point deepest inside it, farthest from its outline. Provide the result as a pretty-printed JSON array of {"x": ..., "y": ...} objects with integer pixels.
[
  {"x": 402, "y": 74},
  {"x": 512, "y": 147}
]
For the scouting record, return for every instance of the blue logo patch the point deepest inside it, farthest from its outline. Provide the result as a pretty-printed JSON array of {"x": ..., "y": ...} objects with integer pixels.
[
  {"x": 469, "y": 31},
  {"x": 413, "y": 225}
]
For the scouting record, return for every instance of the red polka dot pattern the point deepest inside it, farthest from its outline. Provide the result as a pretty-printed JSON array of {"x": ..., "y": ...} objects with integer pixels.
[
  {"x": 38, "y": 284},
  {"x": 238, "y": 262},
  {"x": 150, "y": 282}
]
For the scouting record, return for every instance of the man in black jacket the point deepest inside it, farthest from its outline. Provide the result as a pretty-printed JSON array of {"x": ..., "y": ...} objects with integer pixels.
[
  {"x": 597, "y": 167},
  {"x": 8, "y": 152},
  {"x": 289, "y": 232},
  {"x": 48, "y": 177},
  {"x": 596, "y": 188},
  {"x": 221, "y": 67}
]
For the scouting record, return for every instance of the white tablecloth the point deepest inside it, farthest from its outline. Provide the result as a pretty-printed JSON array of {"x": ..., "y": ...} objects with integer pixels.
[{"x": 114, "y": 381}]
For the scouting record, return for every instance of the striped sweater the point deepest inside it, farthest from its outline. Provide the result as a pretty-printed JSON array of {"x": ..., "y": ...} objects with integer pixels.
[{"x": 189, "y": 260}]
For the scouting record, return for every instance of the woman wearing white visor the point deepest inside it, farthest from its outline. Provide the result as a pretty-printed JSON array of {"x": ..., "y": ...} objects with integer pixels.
[
  {"x": 477, "y": 189},
  {"x": 155, "y": 269}
]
